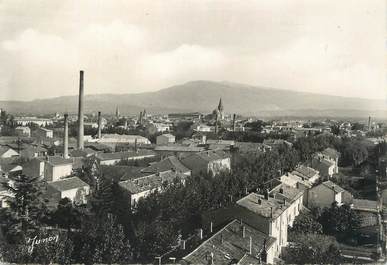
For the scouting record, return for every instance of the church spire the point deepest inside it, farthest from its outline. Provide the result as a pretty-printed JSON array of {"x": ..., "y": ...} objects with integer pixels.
[
  {"x": 117, "y": 112},
  {"x": 220, "y": 106}
]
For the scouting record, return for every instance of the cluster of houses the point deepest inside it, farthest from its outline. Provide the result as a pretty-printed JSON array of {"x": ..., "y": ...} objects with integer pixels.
[{"x": 254, "y": 231}]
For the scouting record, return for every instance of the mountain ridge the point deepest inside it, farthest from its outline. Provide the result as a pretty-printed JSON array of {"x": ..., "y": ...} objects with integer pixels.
[{"x": 203, "y": 96}]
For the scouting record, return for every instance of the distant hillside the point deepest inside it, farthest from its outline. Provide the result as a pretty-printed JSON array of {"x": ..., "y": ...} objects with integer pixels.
[{"x": 204, "y": 96}]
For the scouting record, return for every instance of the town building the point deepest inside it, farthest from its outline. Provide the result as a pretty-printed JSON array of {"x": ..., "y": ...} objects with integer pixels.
[
  {"x": 72, "y": 188},
  {"x": 271, "y": 213},
  {"x": 23, "y": 131},
  {"x": 185, "y": 116},
  {"x": 166, "y": 164},
  {"x": 120, "y": 138},
  {"x": 165, "y": 139},
  {"x": 24, "y": 121},
  {"x": 141, "y": 187},
  {"x": 325, "y": 167},
  {"x": 33, "y": 151},
  {"x": 56, "y": 168},
  {"x": 208, "y": 162},
  {"x": 44, "y": 133},
  {"x": 235, "y": 243},
  {"x": 177, "y": 150},
  {"x": 326, "y": 193},
  {"x": 333, "y": 156},
  {"x": 7, "y": 152},
  {"x": 307, "y": 174},
  {"x": 114, "y": 158}
]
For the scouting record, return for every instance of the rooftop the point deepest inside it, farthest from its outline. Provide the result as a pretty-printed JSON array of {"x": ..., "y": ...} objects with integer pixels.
[
  {"x": 268, "y": 208},
  {"x": 171, "y": 162},
  {"x": 364, "y": 205},
  {"x": 149, "y": 182},
  {"x": 305, "y": 172},
  {"x": 68, "y": 184},
  {"x": 125, "y": 154},
  {"x": 333, "y": 186},
  {"x": 179, "y": 148},
  {"x": 57, "y": 160},
  {"x": 229, "y": 246}
]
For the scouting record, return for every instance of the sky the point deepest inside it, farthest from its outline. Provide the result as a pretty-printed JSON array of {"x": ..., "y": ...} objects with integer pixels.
[{"x": 319, "y": 46}]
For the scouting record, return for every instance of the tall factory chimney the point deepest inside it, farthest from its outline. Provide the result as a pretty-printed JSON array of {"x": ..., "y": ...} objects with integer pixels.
[
  {"x": 80, "y": 112},
  {"x": 66, "y": 137},
  {"x": 233, "y": 122},
  {"x": 369, "y": 123},
  {"x": 99, "y": 125}
]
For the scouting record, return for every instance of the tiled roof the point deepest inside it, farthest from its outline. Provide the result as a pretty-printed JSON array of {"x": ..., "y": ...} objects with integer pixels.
[
  {"x": 203, "y": 158},
  {"x": 4, "y": 149},
  {"x": 228, "y": 245},
  {"x": 267, "y": 208},
  {"x": 118, "y": 173},
  {"x": 305, "y": 172},
  {"x": 333, "y": 186},
  {"x": 124, "y": 155},
  {"x": 68, "y": 184},
  {"x": 366, "y": 205},
  {"x": 287, "y": 192},
  {"x": 57, "y": 161},
  {"x": 179, "y": 148},
  {"x": 168, "y": 135},
  {"x": 149, "y": 182},
  {"x": 166, "y": 164}
]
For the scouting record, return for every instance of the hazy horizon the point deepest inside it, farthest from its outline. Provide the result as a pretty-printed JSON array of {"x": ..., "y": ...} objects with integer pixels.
[{"x": 322, "y": 47}]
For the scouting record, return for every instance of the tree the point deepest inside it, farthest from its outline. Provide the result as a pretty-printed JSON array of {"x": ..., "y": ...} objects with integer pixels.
[
  {"x": 312, "y": 249},
  {"x": 340, "y": 221},
  {"x": 307, "y": 224},
  {"x": 66, "y": 215},
  {"x": 27, "y": 208}
]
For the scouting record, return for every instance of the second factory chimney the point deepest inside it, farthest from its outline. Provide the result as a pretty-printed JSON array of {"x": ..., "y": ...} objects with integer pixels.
[
  {"x": 66, "y": 137},
  {"x": 80, "y": 112},
  {"x": 99, "y": 125}
]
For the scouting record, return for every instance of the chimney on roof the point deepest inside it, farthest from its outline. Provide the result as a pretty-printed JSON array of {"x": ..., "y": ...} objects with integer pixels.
[
  {"x": 66, "y": 137},
  {"x": 281, "y": 190},
  {"x": 201, "y": 234},
  {"x": 266, "y": 194},
  {"x": 99, "y": 125},
  {"x": 80, "y": 112},
  {"x": 259, "y": 201},
  {"x": 243, "y": 231},
  {"x": 271, "y": 212}
]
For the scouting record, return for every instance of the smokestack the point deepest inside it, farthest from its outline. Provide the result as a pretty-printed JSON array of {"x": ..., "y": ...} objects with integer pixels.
[
  {"x": 233, "y": 122},
  {"x": 80, "y": 112},
  {"x": 66, "y": 137},
  {"x": 369, "y": 123},
  {"x": 99, "y": 125}
]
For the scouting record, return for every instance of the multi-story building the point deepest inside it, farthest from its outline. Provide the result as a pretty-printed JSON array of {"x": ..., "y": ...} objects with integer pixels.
[
  {"x": 56, "y": 168},
  {"x": 326, "y": 193},
  {"x": 165, "y": 139},
  {"x": 23, "y": 131},
  {"x": 44, "y": 133},
  {"x": 72, "y": 188},
  {"x": 211, "y": 162}
]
